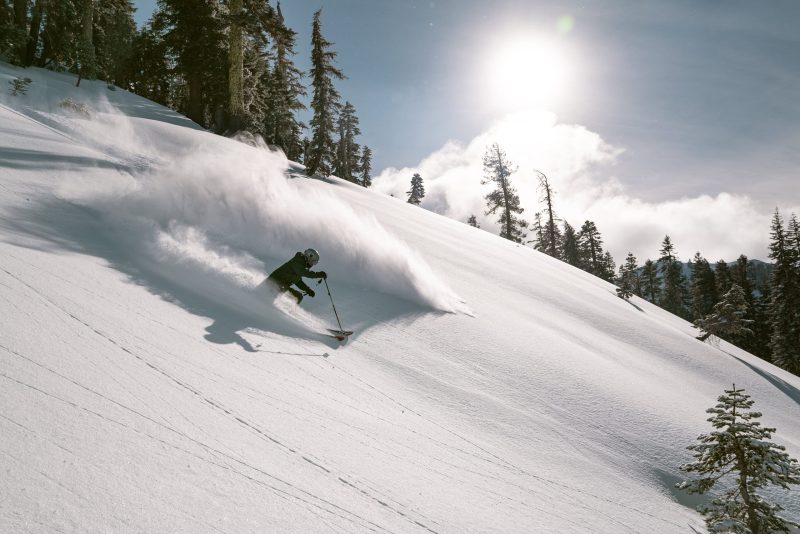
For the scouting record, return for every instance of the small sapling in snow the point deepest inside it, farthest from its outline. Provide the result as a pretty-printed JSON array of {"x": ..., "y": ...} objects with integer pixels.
[{"x": 19, "y": 86}]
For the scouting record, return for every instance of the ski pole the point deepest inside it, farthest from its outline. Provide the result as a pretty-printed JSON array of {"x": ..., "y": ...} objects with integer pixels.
[{"x": 332, "y": 304}]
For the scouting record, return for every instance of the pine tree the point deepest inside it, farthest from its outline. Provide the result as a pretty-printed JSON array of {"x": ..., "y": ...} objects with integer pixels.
[
  {"x": 236, "y": 17},
  {"x": 325, "y": 102},
  {"x": 793, "y": 236},
  {"x": 14, "y": 31},
  {"x": 417, "y": 191},
  {"x": 285, "y": 90},
  {"x": 628, "y": 283},
  {"x": 651, "y": 282},
  {"x": 722, "y": 273},
  {"x": 365, "y": 166},
  {"x": 538, "y": 240},
  {"x": 784, "y": 305},
  {"x": 114, "y": 34},
  {"x": 591, "y": 250},
  {"x": 570, "y": 250},
  {"x": 473, "y": 221},
  {"x": 703, "y": 286},
  {"x": 727, "y": 318},
  {"x": 762, "y": 329},
  {"x": 8, "y": 31},
  {"x": 609, "y": 267},
  {"x": 673, "y": 292},
  {"x": 741, "y": 276},
  {"x": 551, "y": 232},
  {"x": 37, "y": 13},
  {"x": 148, "y": 68},
  {"x": 497, "y": 170},
  {"x": 256, "y": 100},
  {"x": 738, "y": 455},
  {"x": 347, "y": 150},
  {"x": 194, "y": 39},
  {"x": 87, "y": 62}
]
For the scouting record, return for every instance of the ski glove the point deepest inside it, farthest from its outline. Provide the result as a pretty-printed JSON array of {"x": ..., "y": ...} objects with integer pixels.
[
  {"x": 310, "y": 292},
  {"x": 323, "y": 275}
]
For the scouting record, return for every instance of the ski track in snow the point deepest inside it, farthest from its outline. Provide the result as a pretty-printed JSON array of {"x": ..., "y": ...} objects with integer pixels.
[{"x": 424, "y": 422}]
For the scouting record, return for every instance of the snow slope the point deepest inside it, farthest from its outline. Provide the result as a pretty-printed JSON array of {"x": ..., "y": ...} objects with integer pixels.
[{"x": 149, "y": 385}]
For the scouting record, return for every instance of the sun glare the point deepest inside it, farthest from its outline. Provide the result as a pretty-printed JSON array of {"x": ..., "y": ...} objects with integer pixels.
[{"x": 524, "y": 73}]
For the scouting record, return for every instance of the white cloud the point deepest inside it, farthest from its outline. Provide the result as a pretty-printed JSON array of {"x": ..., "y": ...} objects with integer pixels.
[{"x": 578, "y": 163}]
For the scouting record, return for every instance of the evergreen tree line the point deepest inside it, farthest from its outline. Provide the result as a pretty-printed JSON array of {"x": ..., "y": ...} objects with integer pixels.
[
  {"x": 759, "y": 314},
  {"x": 227, "y": 65},
  {"x": 738, "y": 302},
  {"x": 550, "y": 234}
]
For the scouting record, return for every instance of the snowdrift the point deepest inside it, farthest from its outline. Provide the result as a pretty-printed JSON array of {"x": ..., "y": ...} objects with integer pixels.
[{"x": 148, "y": 384}]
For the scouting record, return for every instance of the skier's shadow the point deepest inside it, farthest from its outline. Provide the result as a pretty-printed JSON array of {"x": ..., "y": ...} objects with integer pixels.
[{"x": 60, "y": 226}]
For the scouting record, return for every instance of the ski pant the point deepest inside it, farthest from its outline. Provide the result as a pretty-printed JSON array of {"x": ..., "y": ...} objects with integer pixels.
[{"x": 284, "y": 287}]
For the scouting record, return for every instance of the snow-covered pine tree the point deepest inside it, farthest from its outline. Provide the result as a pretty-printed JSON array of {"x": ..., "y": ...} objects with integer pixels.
[
  {"x": 739, "y": 457},
  {"x": 703, "y": 286},
  {"x": 742, "y": 276},
  {"x": 570, "y": 251},
  {"x": 324, "y": 103},
  {"x": 347, "y": 150},
  {"x": 365, "y": 166},
  {"x": 497, "y": 170},
  {"x": 417, "y": 191},
  {"x": 784, "y": 304},
  {"x": 651, "y": 282},
  {"x": 19, "y": 85},
  {"x": 727, "y": 319},
  {"x": 473, "y": 221},
  {"x": 550, "y": 231},
  {"x": 628, "y": 283},
  {"x": 674, "y": 290}
]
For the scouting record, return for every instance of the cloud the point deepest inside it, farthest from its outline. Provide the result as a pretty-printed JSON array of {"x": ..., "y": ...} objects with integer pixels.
[{"x": 579, "y": 165}]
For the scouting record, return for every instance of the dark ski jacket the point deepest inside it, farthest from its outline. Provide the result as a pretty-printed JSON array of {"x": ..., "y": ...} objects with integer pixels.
[{"x": 293, "y": 272}]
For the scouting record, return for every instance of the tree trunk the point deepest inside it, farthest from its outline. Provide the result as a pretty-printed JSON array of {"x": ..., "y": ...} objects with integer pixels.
[
  {"x": 504, "y": 185},
  {"x": 87, "y": 68},
  {"x": 194, "y": 110},
  {"x": 235, "y": 67},
  {"x": 551, "y": 224},
  {"x": 33, "y": 36},
  {"x": 20, "y": 14},
  {"x": 18, "y": 46},
  {"x": 744, "y": 491}
]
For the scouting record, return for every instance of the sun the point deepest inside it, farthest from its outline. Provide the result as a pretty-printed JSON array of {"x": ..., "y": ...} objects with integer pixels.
[{"x": 525, "y": 72}]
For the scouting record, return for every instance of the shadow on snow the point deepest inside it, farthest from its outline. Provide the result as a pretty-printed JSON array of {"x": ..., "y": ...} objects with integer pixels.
[{"x": 60, "y": 226}]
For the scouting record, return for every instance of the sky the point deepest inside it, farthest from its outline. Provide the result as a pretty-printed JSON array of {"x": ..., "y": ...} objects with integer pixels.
[{"x": 689, "y": 109}]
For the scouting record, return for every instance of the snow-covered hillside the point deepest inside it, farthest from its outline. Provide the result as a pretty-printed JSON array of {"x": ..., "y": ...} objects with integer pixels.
[{"x": 147, "y": 384}]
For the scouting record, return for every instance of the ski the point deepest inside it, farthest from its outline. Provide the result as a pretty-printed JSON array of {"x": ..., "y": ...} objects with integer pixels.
[{"x": 341, "y": 335}]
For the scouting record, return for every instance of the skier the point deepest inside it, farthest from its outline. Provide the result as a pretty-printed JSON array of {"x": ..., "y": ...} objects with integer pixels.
[{"x": 293, "y": 271}]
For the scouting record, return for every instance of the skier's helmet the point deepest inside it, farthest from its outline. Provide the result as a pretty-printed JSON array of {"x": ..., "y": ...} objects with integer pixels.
[{"x": 312, "y": 257}]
